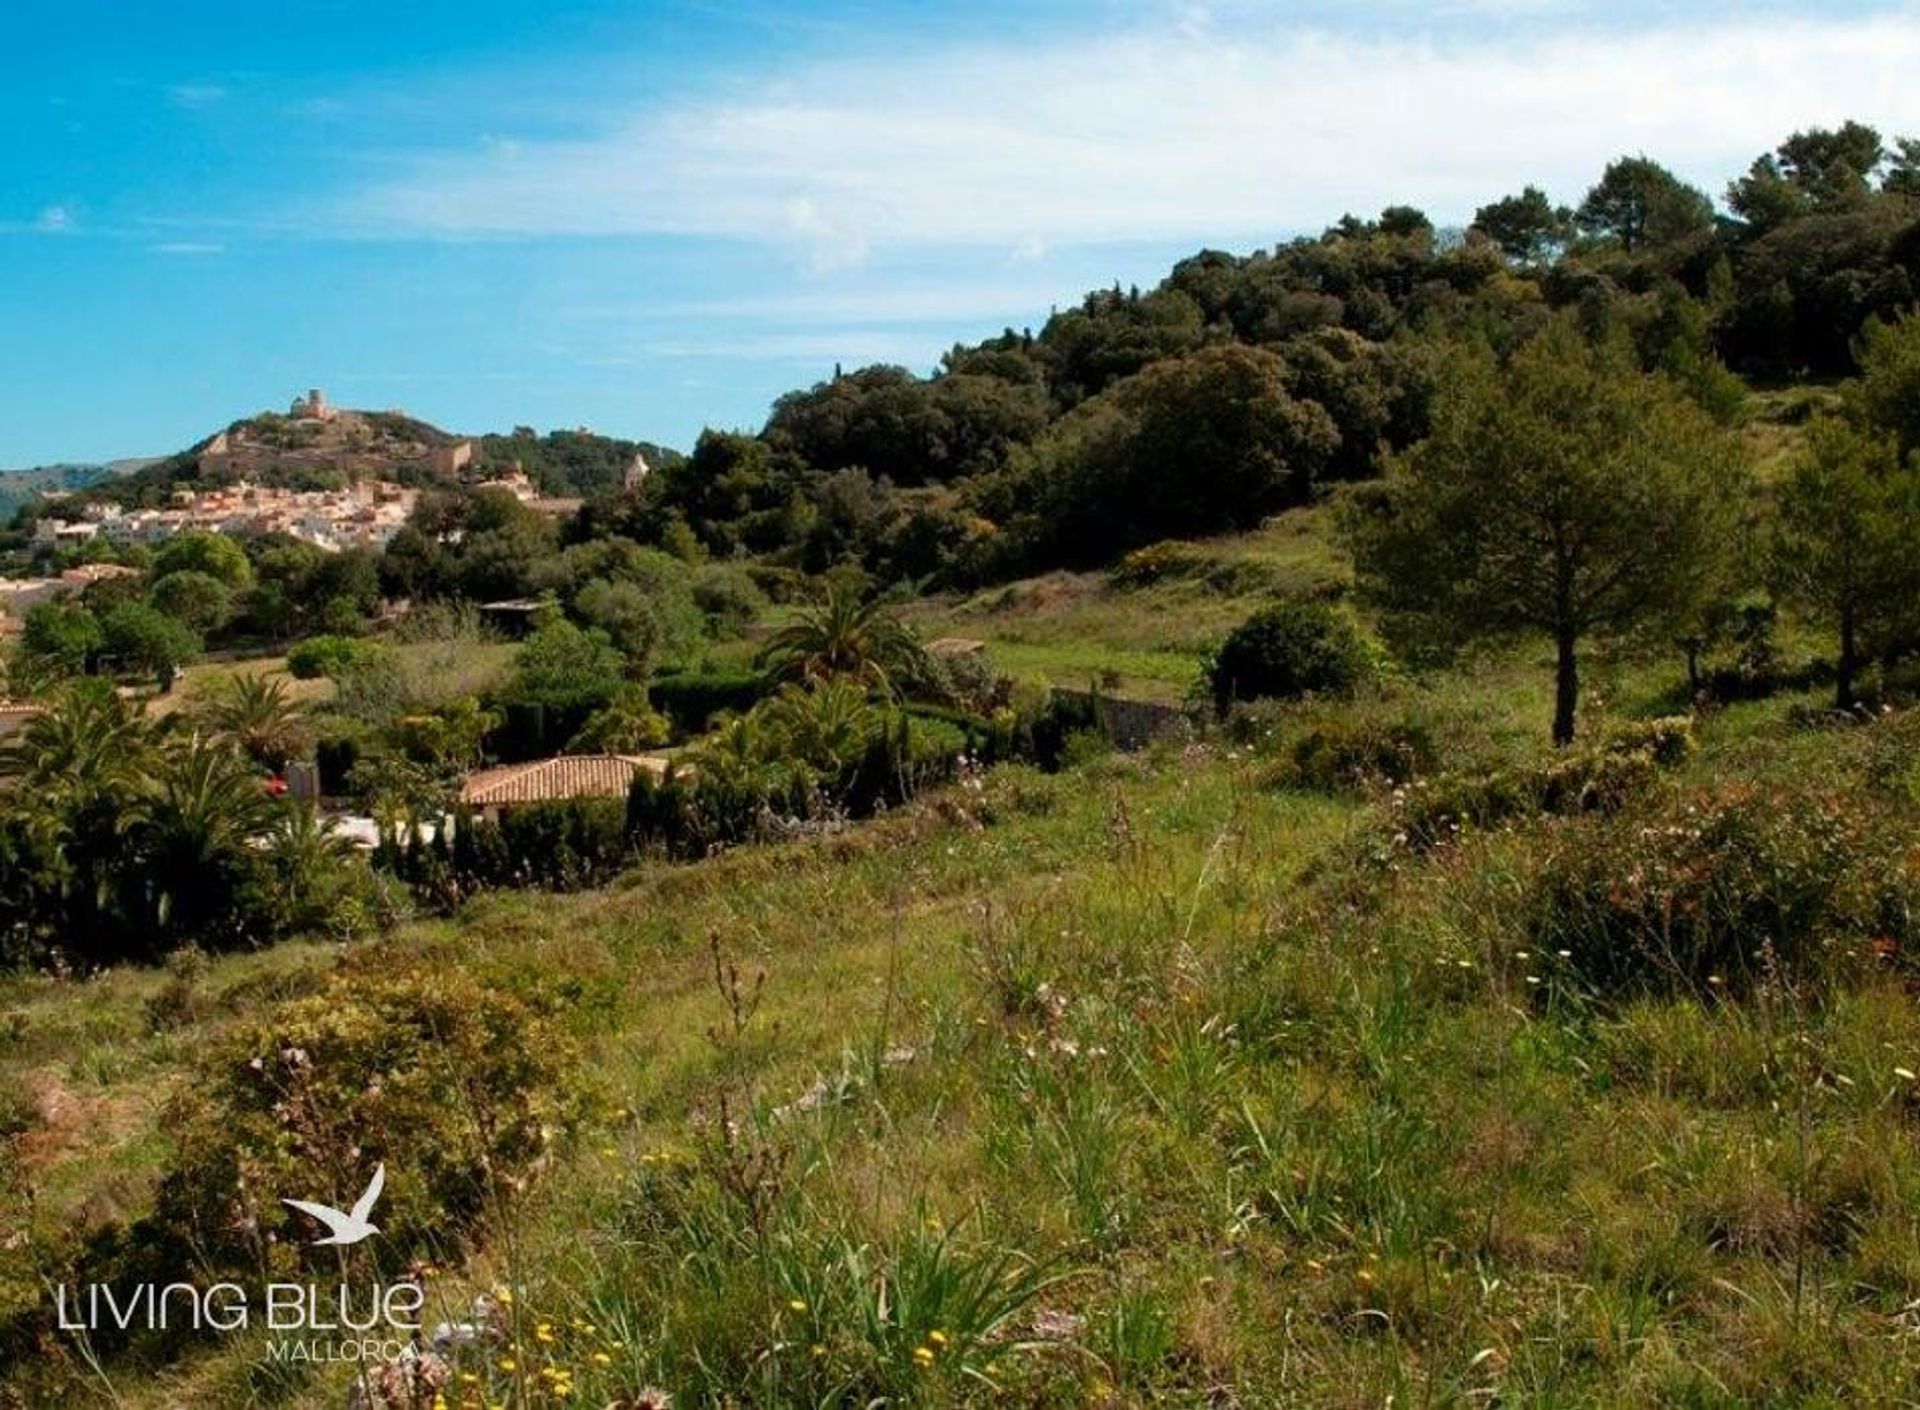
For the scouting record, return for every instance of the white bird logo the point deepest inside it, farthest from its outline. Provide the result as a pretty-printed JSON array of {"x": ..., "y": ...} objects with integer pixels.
[{"x": 346, "y": 1228}]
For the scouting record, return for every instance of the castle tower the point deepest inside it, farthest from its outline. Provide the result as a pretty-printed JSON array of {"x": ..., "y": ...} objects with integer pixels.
[{"x": 312, "y": 407}]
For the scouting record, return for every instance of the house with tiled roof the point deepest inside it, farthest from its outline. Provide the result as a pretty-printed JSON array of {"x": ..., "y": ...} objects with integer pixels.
[{"x": 557, "y": 780}]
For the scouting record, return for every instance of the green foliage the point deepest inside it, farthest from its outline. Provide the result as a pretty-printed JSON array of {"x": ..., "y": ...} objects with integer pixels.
[
  {"x": 642, "y": 598},
  {"x": 1192, "y": 445},
  {"x": 200, "y": 601},
  {"x": 891, "y": 423},
  {"x": 1429, "y": 811},
  {"x": 213, "y": 555},
  {"x": 61, "y": 637},
  {"x": 460, "y": 1088},
  {"x": 1820, "y": 170},
  {"x": 1639, "y": 203},
  {"x": 813, "y": 754},
  {"x": 1887, "y": 395},
  {"x": 557, "y": 846},
  {"x": 1847, "y": 512},
  {"x": 1357, "y": 753},
  {"x": 565, "y": 667},
  {"x": 1725, "y": 892},
  {"x": 690, "y": 699},
  {"x": 627, "y": 724},
  {"x": 142, "y": 638},
  {"x": 1527, "y": 227},
  {"x": 845, "y": 632},
  {"x": 1294, "y": 648},
  {"x": 499, "y": 544},
  {"x": 729, "y": 596},
  {"x": 1567, "y": 494},
  {"x": 257, "y": 715},
  {"x": 569, "y": 463},
  {"x": 327, "y": 656},
  {"x": 1158, "y": 562},
  {"x": 447, "y": 737},
  {"x": 118, "y": 844}
]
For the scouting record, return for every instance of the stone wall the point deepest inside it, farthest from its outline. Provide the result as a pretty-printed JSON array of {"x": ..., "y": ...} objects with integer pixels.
[{"x": 1132, "y": 724}]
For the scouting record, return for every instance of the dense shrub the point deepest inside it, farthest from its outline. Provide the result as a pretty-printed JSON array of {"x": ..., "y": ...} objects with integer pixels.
[
  {"x": 559, "y": 846},
  {"x": 690, "y": 699},
  {"x": 1356, "y": 753},
  {"x": 729, "y": 596},
  {"x": 627, "y": 724},
  {"x": 1170, "y": 558},
  {"x": 1722, "y": 893},
  {"x": 1597, "y": 779},
  {"x": 1291, "y": 649},
  {"x": 119, "y": 842},
  {"x": 327, "y": 656},
  {"x": 738, "y": 792},
  {"x": 460, "y": 1089}
]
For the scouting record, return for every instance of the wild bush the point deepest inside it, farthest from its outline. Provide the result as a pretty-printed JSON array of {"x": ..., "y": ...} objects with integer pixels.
[
  {"x": 690, "y": 699},
  {"x": 729, "y": 596},
  {"x": 1430, "y": 811},
  {"x": 1354, "y": 753},
  {"x": 1724, "y": 892},
  {"x": 1169, "y": 558},
  {"x": 327, "y": 656},
  {"x": 460, "y": 1089},
  {"x": 765, "y": 774},
  {"x": 1291, "y": 649}
]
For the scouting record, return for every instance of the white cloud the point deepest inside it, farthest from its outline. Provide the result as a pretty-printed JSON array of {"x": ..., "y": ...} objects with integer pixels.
[
  {"x": 815, "y": 305},
  {"x": 1183, "y": 133},
  {"x": 850, "y": 345},
  {"x": 54, "y": 220},
  {"x": 189, "y": 248}
]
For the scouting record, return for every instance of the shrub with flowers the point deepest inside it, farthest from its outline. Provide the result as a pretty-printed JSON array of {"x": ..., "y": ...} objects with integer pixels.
[
  {"x": 460, "y": 1089},
  {"x": 1598, "y": 779},
  {"x": 1726, "y": 891},
  {"x": 1354, "y": 753}
]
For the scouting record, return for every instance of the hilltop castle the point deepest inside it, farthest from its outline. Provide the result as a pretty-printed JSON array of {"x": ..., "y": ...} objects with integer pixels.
[{"x": 312, "y": 407}]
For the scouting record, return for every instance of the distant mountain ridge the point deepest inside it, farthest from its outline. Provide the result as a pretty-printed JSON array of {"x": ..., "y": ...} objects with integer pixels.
[{"x": 19, "y": 486}]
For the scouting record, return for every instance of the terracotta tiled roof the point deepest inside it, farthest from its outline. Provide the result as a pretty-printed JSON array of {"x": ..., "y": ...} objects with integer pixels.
[{"x": 551, "y": 780}]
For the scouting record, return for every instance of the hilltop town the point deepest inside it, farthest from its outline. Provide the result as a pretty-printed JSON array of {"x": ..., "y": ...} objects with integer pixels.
[
  {"x": 328, "y": 476},
  {"x": 365, "y": 514}
]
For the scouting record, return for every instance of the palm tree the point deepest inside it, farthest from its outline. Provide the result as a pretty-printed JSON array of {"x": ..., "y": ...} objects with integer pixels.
[
  {"x": 89, "y": 739},
  {"x": 741, "y": 752},
  {"x": 260, "y": 716},
  {"x": 843, "y": 633},
  {"x": 307, "y": 859},
  {"x": 827, "y": 724},
  {"x": 79, "y": 772},
  {"x": 197, "y": 835}
]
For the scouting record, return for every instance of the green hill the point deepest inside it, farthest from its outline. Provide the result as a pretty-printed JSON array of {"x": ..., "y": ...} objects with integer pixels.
[
  {"x": 19, "y": 486},
  {"x": 1209, "y": 1070}
]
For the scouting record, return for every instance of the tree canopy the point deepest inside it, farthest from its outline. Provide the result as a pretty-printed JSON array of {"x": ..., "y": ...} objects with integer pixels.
[{"x": 1565, "y": 492}]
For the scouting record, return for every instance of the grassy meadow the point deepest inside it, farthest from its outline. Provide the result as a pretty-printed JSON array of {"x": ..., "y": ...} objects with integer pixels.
[{"x": 1172, "y": 1078}]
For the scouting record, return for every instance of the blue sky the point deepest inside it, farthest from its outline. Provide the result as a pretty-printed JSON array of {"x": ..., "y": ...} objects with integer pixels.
[{"x": 646, "y": 218}]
